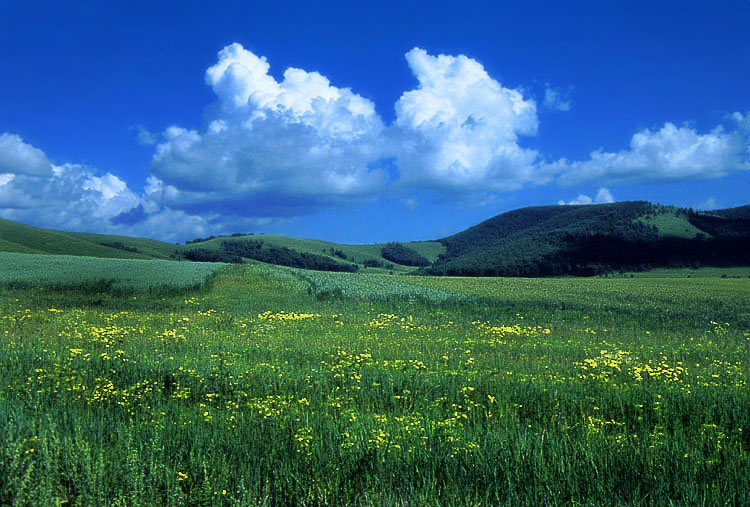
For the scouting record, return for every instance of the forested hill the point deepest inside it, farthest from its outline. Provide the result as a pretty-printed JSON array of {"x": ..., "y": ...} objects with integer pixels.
[
  {"x": 738, "y": 212},
  {"x": 593, "y": 239}
]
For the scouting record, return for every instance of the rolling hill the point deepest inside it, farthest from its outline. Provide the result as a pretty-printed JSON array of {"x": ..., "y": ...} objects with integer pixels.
[
  {"x": 595, "y": 239},
  {"x": 21, "y": 238},
  {"x": 533, "y": 241},
  {"x": 361, "y": 255}
]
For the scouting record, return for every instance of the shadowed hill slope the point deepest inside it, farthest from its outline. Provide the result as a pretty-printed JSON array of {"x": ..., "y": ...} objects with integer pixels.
[{"x": 592, "y": 239}]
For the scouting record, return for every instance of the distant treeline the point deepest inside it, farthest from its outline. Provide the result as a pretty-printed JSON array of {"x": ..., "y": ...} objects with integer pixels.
[
  {"x": 118, "y": 245},
  {"x": 205, "y": 255},
  {"x": 398, "y": 253},
  {"x": 235, "y": 251},
  {"x": 599, "y": 254},
  {"x": 283, "y": 256},
  {"x": 374, "y": 263},
  {"x": 721, "y": 227}
]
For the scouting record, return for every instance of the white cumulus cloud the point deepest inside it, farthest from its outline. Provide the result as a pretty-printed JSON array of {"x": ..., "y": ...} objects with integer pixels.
[
  {"x": 272, "y": 149},
  {"x": 73, "y": 197},
  {"x": 603, "y": 196},
  {"x": 278, "y": 149},
  {"x": 669, "y": 153},
  {"x": 18, "y": 157},
  {"x": 460, "y": 128},
  {"x": 70, "y": 197},
  {"x": 286, "y": 148}
]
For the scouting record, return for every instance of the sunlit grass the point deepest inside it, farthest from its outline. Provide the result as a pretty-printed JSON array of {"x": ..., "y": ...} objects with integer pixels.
[
  {"x": 36, "y": 270},
  {"x": 281, "y": 386}
]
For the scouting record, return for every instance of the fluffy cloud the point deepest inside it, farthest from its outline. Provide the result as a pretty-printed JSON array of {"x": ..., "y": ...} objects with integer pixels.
[
  {"x": 277, "y": 149},
  {"x": 460, "y": 128},
  {"x": 70, "y": 197},
  {"x": 291, "y": 147},
  {"x": 708, "y": 204},
  {"x": 555, "y": 99},
  {"x": 669, "y": 153},
  {"x": 18, "y": 157},
  {"x": 272, "y": 149},
  {"x": 75, "y": 197},
  {"x": 603, "y": 196}
]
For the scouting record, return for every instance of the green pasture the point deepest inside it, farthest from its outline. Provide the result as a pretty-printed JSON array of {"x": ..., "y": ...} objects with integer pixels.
[
  {"x": 92, "y": 273},
  {"x": 276, "y": 386},
  {"x": 673, "y": 224}
]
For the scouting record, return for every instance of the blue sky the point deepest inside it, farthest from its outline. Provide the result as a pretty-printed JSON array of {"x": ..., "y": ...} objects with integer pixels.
[{"x": 396, "y": 120}]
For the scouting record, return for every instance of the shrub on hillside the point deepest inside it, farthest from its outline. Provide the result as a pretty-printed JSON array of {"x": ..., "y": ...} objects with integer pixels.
[
  {"x": 203, "y": 255},
  {"x": 284, "y": 256},
  {"x": 398, "y": 253}
]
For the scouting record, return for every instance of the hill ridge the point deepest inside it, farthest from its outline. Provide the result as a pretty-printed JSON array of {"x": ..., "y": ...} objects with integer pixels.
[{"x": 532, "y": 241}]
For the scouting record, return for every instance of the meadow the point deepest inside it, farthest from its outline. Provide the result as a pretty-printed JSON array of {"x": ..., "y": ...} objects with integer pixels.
[
  {"x": 93, "y": 273},
  {"x": 274, "y": 386}
]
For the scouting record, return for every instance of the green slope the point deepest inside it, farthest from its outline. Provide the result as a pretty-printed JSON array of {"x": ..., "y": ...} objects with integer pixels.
[
  {"x": 8, "y": 246},
  {"x": 21, "y": 238},
  {"x": 357, "y": 254},
  {"x": 516, "y": 241},
  {"x": 672, "y": 224},
  {"x": 16, "y": 237},
  {"x": 45, "y": 270},
  {"x": 151, "y": 247},
  {"x": 589, "y": 239},
  {"x": 534, "y": 241}
]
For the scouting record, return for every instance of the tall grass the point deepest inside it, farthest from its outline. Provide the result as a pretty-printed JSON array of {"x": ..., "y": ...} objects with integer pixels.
[
  {"x": 87, "y": 273},
  {"x": 257, "y": 391}
]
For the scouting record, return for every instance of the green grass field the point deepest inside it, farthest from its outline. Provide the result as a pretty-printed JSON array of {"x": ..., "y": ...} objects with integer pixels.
[
  {"x": 275, "y": 386},
  {"x": 705, "y": 272},
  {"x": 671, "y": 224},
  {"x": 85, "y": 273}
]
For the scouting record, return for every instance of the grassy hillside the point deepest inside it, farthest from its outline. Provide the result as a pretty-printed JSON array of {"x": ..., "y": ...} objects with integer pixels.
[
  {"x": 672, "y": 224},
  {"x": 348, "y": 254},
  {"x": 17, "y": 237},
  {"x": 9, "y": 246},
  {"x": 149, "y": 247},
  {"x": 21, "y": 238}
]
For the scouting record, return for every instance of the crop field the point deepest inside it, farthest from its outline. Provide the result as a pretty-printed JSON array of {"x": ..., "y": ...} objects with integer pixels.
[
  {"x": 38, "y": 270},
  {"x": 275, "y": 386}
]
